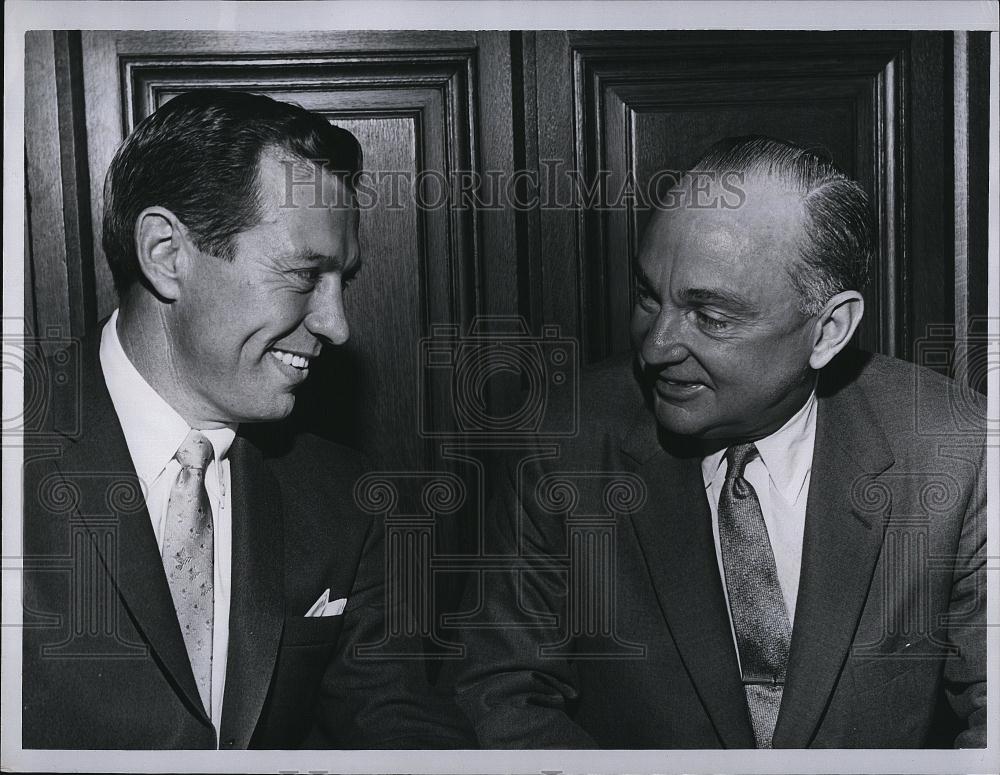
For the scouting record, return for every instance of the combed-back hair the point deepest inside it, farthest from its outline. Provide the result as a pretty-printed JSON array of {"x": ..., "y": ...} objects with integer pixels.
[
  {"x": 839, "y": 247},
  {"x": 198, "y": 157}
]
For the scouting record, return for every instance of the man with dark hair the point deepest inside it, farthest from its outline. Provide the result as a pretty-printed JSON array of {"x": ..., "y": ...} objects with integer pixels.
[
  {"x": 767, "y": 539},
  {"x": 221, "y": 580}
]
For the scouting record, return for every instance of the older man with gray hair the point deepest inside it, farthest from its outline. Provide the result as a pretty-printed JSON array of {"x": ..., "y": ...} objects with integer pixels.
[{"x": 782, "y": 576}]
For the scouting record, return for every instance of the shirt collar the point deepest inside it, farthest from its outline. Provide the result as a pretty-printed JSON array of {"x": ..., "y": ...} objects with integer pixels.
[
  {"x": 153, "y": 429},
  {"x": 786, "y": 453}
]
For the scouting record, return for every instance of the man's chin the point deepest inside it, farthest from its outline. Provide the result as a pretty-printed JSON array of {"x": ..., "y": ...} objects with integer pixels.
[
  {"x": 688, "y": 427},
  {"x": 274, "y": 410},
  {"x": 679, "y": 421}
]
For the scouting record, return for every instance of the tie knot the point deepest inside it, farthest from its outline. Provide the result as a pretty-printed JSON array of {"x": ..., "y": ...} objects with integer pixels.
[
  {"x": 195, "y": 451},
  {"x": 737, "y": 458}
]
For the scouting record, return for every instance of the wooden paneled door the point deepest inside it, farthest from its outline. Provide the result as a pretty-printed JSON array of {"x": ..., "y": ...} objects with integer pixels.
[
  {"x": 619, "y": 107},
  {"x": 905, "y": 112}
]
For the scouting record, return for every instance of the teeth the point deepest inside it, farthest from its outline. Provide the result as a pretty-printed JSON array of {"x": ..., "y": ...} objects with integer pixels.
[{"x": 290, "y": 359}]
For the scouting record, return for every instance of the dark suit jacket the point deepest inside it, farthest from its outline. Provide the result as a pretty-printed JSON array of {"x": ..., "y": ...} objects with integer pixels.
[
  {"x": 616, "y": 633},
  {"x": 104, "y": 662}
]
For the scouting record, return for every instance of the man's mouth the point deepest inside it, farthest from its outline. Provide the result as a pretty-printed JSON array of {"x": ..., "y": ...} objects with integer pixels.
[
  {"x": 293, "y": 360},
  {"x": 677, "y": 388}
]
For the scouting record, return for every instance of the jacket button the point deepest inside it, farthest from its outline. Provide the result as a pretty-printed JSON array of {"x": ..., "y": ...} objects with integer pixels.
[{"x": 230, "y": 743}]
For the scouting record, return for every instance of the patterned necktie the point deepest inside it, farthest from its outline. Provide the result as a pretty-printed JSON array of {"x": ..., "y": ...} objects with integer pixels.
[
  {"x": 188, "y": 545},
  {"x": 760, "y": 618}
]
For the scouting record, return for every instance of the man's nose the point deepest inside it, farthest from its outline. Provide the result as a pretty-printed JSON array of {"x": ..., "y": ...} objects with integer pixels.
[
  {"x": 327, "y": 319},
  {"x": 664, "y": 341}
]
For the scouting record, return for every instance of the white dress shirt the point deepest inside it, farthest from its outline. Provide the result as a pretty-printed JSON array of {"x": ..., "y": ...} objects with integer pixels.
[
  {"x": 153, "y": 432},
  {"x": 780, "y": 476}
]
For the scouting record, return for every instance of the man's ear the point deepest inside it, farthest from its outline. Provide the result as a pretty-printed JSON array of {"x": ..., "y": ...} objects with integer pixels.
[
  {"x": 162, "y": 244},
  {"x": 835, "y": 326}
]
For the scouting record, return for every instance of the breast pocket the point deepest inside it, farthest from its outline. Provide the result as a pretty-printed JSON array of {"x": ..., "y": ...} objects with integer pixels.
[
  {"x": 308, "y": 647},
  {"x": 921, "y": 657},
  {"x": 894, "y": 695},
  {"x": 311, "y": 630},
  {"x": 901, "y": 683}
]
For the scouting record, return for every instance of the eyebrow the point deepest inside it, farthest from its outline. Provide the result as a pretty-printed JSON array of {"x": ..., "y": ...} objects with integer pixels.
[
  {"x": 718, "y": 296},
  {"x": 340, "y": 263},
  {"x": 727, "y": 299}
]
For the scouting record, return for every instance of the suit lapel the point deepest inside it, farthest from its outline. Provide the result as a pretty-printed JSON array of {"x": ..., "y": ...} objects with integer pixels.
[
  {"x": 257, "y": 612},
  {"x": 674, "y": 529},
  {"x": 840, "y": 549},
  {"x": 98, "y": 465}
]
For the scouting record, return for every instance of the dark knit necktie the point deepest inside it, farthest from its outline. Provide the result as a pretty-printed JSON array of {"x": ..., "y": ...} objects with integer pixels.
[
  {"x": 188, "y": 545},
  {"x": 760, "y": 618}
]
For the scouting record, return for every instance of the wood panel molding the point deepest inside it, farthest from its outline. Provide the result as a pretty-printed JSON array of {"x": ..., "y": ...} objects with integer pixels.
[
  {"x": 61, "y": 291},
  {"x": 612, "y": 87},
  {"x": 616, "y": 83},
  {"x": 432, "y": 88}
]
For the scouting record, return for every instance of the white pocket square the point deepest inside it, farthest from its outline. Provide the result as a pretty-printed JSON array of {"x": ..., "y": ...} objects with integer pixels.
[{"x": 327, "y": 607}]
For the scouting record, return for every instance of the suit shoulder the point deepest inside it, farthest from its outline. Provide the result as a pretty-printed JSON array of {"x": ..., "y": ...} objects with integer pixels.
[
  {"x": 610, "y": 387},
  {"x": 915, "y": 400},
  {"x": 601, "y": 391},
  {"x": 305, "y": 455},
  {"x": 316, "y": 479},
  {"x": 62, "y": 376},
  {"x": 600, "y": 409},
  {"x": 612, "y": 378},
  {"x": 309, "y": 446}
]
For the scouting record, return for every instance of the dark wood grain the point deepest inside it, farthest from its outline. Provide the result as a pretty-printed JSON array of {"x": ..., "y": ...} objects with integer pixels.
[
  {"x": 47, "y": 285},
  {"x": 882, "y": 103},
  {"x": 977, "y": 203},
  {"x": 75, "y": 178},
  {"x": 560, "y": 268},
  {"x": 929, "y": 279},
  {"x": 644, "y": 102}
]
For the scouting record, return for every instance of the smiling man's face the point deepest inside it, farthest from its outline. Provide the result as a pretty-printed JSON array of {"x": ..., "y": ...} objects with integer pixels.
[
  {"x": 246, "y": 330},
  {"x": 716, "y": 325}
]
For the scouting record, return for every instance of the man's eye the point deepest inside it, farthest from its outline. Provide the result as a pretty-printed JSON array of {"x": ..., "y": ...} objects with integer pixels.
[
  {"x": 308, "y": 276},
  {"x": 710, "y": 323},
  {"x": 644, "y": 298}
]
